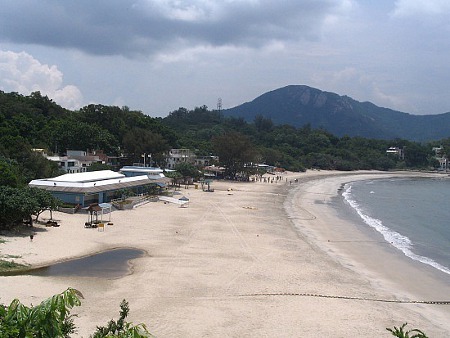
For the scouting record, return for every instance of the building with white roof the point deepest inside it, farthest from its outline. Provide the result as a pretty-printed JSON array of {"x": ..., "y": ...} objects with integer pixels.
[
  {"x": 151, "y": 172},
  {"x": 94, "y": 187}
]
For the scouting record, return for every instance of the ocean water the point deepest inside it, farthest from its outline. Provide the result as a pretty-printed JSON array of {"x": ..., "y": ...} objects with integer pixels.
[{"x": 412, "y": 214}]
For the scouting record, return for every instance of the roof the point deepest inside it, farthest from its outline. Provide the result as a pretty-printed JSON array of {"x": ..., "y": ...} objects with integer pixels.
[
  {"x": 69, "y": 186},
  {"x": 214, "y": 168},
  {"x": 92, "y": 176},
  {"x": 94, "y": 207},
  {"x": 143, "y": 170},
  {"x": 87, "y": 158}
]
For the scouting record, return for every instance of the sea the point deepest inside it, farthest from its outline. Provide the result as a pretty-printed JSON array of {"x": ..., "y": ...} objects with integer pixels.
[{"x": 411, "y": 214}]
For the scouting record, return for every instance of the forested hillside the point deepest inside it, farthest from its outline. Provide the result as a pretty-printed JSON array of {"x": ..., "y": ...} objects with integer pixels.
[
  {"x": 35, "y": 121},
  {"x": 297, "y": 148},
  {"x": 298, "y": 105}
]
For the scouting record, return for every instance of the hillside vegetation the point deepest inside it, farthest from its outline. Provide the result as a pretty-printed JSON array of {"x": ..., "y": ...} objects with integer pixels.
[
  {"x": 298, "y": 105},
  {"x": 35, "y": 121}
]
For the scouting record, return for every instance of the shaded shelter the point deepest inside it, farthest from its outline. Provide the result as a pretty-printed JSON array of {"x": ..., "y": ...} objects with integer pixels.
[{"x": 93, "y": 210}]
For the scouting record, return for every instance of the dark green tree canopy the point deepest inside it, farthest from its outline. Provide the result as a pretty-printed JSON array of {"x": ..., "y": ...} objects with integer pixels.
[
  {"x": 235, "y": 150},
  {"x": 18, "y": 204},
  {"x": 139, "y": 141},
  {"x": 187, "y": 170},
  {"x": 35, "y": 121}
]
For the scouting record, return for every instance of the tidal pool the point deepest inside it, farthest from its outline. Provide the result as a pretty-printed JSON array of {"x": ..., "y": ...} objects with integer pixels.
[{"x": 108, "y": 264}]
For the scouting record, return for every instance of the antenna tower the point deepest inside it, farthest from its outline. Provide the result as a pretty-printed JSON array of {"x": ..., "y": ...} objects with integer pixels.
[{"x": 219, "y": 104}]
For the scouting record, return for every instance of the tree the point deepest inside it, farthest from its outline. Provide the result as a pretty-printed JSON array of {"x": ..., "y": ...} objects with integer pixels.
[
  {"x": 45, "y": 201},
  {"x": 139, "y": 141},
  {"x": 416, "y": 155},
  {"x": 99, "y": 166},
  {"x": 16, "y": 204},
  {"x": 71, "y": 133},
  {"x": 187, "y": 170},
  {"x": 35, "y": 166},
  {"x": 9, "y": 173},
  {"x": 234, "y": 151},
  {"x": 175, "y": 177},
  {"x": 262, "y": 124}
]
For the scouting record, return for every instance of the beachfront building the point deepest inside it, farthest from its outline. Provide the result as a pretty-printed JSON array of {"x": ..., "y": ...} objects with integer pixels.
[
  {"x": 204, "y": 161},
  {"x": 177, "y": 156},
  {"x": 75, "y": 161},
  {"x": 441, "y": 156},
  {"x": 213, "y": 171},
  {"x": 443, "y": 164},
  {"x": 396, "y": 151},
  {"x": 95, "y": 187}
]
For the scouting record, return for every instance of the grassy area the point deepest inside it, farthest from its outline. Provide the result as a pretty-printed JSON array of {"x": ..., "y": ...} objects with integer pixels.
[
  {"x": 10, "y": 265},
  {"x": 6, "y": 265}
]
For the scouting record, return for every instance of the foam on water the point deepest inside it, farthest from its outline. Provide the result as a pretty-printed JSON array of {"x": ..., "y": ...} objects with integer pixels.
[{"x": 399, "y": 241}]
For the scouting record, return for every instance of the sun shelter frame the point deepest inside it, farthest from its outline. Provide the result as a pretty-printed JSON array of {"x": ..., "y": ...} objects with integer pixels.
[
  {"x": 93, "y": 209},
  {"x": 106, "y": 206}
]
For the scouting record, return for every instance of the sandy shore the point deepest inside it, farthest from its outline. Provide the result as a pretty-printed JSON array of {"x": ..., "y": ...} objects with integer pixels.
[{"x": 238, "y": 263}]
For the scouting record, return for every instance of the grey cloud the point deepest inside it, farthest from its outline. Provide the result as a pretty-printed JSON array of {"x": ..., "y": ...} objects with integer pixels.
[{"x": 126, "y": 27}]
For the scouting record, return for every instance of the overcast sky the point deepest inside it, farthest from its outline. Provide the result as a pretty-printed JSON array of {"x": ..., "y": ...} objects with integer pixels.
[{"x": 156, "y": 55}]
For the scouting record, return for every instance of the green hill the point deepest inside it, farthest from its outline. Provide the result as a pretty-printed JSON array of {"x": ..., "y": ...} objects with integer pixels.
[{"x": 298, "y": 105}]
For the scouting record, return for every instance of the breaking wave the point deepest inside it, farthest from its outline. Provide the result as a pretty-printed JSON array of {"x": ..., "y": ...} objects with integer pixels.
[{"x": 400, "y": 242}]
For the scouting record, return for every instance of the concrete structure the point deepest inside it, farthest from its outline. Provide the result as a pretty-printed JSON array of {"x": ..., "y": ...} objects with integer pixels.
[
  {"x": 151, "y": 172},
  {"x": 441, "y": 156},
  {"x": 176, "y": 156},
  {"x": 76, "y": 161},
  {"x": 399, "y": 152},
  {"x": 94, "y": 187},
  {"x": 443, "y": 163},
  {"x": 213, "y": 171},
  {"x": 204, "y": 161}
]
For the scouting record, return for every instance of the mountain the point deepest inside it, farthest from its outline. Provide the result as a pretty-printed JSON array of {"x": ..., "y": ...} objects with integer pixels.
[{"x": 298, "y": 105}]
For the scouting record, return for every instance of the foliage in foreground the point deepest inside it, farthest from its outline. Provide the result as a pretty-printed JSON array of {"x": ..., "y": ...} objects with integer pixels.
[
  {"x": 121, "y": 328},
  {"x": 52, "y": 318},
  {"x": 401, "y": 333}
]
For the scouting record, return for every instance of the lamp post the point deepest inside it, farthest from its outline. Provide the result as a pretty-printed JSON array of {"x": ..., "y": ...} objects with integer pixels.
[{"x": 144, "y": 155}]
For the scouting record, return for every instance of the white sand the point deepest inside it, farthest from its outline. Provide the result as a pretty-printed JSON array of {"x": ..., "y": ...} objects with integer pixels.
[{"x": 234, "y": 264}]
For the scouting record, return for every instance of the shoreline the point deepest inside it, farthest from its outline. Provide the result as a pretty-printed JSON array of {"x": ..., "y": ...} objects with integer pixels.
[
  {"x": 220, "y": 266},
  {"x": 417, "y": 249},
  {"x": 363, "y": 250}
]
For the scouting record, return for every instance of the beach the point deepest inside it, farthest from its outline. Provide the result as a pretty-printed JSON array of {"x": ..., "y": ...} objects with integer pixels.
[{"x": 251, "y": 259}]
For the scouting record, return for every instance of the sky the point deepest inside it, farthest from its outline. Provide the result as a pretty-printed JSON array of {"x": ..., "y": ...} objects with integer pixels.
[{"x": 158, "y": 55}]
